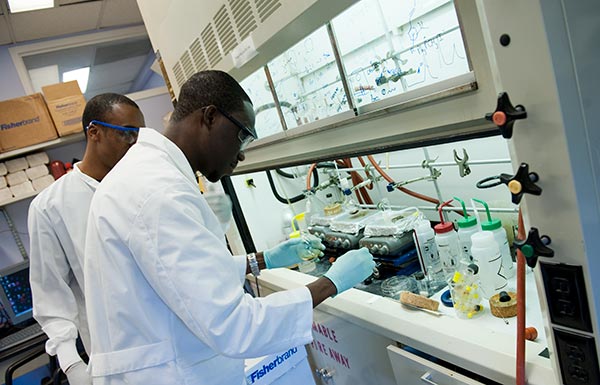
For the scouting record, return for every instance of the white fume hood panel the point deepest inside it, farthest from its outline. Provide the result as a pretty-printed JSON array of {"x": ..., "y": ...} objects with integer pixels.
[{"x": 195, "y": 35}]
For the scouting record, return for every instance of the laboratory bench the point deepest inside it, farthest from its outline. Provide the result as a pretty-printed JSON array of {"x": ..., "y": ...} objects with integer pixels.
[{"x": 422, "y": 347}]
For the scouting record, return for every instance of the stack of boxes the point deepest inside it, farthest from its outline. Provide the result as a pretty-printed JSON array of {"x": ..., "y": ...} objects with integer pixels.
[
  {"x": 22, "y": 177},
  {"x": 33, "y": 119}
]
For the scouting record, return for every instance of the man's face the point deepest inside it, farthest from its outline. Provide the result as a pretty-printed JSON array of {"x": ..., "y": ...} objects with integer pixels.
[
  {"x": 228, "y": 140},
  {"x": 115, "y": 143}
]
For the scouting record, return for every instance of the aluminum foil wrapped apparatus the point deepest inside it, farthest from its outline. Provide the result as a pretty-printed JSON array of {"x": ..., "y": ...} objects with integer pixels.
[
  {"x": 393, "y": 222},
  {"x": 354, "y": 221},
  {"x": 323, "y": 220}
]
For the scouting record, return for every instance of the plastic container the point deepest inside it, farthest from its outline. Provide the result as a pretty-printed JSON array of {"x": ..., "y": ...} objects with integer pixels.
[
  {"x": 485, "y": 249},
  {"x": 467, "y": 226},
  {"x": 465, "y": 294},
  {"x": 57, "y": 169},
  {"x": 446, "y": 240},
  {"x": 428, "y": 252},
  {"x": 495, "y": 226}
]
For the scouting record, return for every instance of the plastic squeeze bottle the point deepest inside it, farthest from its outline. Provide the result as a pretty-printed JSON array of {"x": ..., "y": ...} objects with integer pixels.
[
  {"x": 495, "y": 226},
  {"x": 425, "y": 239},
  {"x": 467, "y": 226},
  {"x": 446, "y": 240},
  {"x": 485, "y": 249}
]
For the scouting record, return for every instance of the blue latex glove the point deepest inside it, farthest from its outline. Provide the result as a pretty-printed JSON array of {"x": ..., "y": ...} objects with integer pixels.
[
  {"x": 293, "y": 251},
  {"x": 350, "y": 269}
]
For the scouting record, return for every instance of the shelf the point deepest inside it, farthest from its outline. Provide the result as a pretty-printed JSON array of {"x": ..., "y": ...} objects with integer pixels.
[
  {"x": 21, "y": 198},
  {"x": 44, "y": 145}
]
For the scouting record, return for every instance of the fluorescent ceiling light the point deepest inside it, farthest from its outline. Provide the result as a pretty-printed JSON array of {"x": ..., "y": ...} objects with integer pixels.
[
  {"x": 81, "y": 75},
  {"x": 29, "y": 5}
]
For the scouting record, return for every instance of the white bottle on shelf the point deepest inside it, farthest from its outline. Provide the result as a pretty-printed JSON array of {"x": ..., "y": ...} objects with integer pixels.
[
  {"x": 446, "y": 240},
  {"x": 495, "y": 226},
  {"x": 485, "y": 249},
  {"x": 467, "y": 226},
  {"x": 425, "y": 239}
]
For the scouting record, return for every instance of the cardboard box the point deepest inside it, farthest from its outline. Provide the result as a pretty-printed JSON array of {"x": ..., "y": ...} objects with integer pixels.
[
  {"x": 15, "y": 178},
  {"x": 37, "y": 159},
  {"x": 5, "y": 195},
  {"x": 41, "y": 183},
  {"x": 22, "y": 189},
  {"x": 17, "y": 164},
  {"x": 66, "y": 103},
  {"x": 37, "y": 171},
  {"x": 24, "y": 121}
]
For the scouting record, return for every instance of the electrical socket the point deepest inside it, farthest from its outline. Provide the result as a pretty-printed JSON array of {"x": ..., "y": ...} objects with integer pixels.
[
  {"x": 566, "y": 295},
  {"x": 577, "y": 357}
]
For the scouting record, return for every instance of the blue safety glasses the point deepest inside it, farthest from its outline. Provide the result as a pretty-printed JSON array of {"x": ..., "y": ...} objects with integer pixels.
[
  {"x": 246, "y": 135},
  {"x": 129, "y": 134}
]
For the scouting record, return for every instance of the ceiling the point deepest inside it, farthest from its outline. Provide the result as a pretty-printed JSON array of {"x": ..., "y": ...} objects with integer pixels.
[
  {"x": 67, "y": 17},
  {"x": 121, "y": 66}
]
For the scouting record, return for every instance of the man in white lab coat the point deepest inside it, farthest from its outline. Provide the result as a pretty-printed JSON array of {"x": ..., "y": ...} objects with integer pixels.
[
  {"x": 57, "y": 226},
  {"x": 164, "y": 295}
]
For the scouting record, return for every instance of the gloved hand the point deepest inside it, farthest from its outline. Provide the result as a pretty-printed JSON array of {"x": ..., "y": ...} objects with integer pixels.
[
  {"x": 220, "y": 204},
  {"x": 293, "y": 251},
  {"x": 350, "y": 269},
  {"x": 77, "y": 374}
]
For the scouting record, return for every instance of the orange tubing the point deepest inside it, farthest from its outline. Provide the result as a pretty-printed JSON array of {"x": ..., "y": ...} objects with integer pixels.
[
  {"x": 520, "y": 307},
  {"x": 308, "y": 177},
  {"x": 404, "y": 190},
  {"x": 356, "y": 179}
]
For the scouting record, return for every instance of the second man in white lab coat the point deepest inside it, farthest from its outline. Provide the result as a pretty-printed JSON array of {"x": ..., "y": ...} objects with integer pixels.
[{"x": 57, "y": 226}]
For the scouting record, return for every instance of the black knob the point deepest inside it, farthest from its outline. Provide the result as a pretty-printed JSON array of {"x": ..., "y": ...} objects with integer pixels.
[
  {"x": 534, "y": 246},
  {"x": 505, "y": 115},
  {"x": 522, "y": 182}
]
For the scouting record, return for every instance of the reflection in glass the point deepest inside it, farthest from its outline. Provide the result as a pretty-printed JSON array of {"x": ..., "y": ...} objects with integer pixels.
[
  {"x": 389, "y": 47},
  {"x": 267, "y": 120},
  {"x": 307, "y": 81}
]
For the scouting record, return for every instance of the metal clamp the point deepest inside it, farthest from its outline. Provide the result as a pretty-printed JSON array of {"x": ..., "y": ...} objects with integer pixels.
[
  {"x": 463, "y": 167},
  {"x": 435, "y": 173},
  {"x": 428, "y": 162}
]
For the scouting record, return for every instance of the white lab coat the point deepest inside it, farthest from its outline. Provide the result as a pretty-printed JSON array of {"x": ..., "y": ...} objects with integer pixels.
[
  {"x": 57, "y": 226},
  {"x": 165, "y": 299}
]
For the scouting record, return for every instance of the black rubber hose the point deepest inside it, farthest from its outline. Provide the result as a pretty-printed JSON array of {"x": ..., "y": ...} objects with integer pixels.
[
  {"x": 284, "y": 174},
  {"x": 295, "y": 199}
]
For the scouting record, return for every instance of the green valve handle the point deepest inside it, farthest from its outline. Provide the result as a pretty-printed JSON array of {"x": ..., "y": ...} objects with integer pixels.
[{"x": 534, "y": 246}]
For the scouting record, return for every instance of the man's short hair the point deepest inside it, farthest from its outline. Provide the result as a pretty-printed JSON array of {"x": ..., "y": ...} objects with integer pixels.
[
  {"x": 100, "y": 107},
  {"x": 207, "y": 88}
]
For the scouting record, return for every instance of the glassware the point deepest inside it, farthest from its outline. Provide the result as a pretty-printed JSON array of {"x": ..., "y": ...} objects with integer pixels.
[{"x": 393, "y": 286}]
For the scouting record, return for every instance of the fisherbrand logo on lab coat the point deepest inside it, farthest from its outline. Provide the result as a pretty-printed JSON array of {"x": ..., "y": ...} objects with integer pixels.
[
  {"x": 24, "y": 122},
  {"x": 279, "y": 359}
]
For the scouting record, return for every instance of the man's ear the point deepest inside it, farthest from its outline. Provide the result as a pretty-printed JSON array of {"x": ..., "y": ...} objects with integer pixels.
[
  {"x": 94, "y": 133},
  {"x": 208, "y": 115}
]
